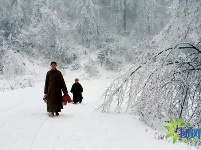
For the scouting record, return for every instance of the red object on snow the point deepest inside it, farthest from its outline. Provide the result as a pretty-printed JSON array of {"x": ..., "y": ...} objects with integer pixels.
[{"x": 66, "y": 98}]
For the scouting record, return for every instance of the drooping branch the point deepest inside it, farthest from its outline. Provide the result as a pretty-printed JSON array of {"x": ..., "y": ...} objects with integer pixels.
[{"x": 158, "y": 90}]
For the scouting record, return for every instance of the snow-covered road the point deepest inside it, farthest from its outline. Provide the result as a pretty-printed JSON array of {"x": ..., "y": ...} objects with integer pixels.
[{"x": 25, "y": 125}]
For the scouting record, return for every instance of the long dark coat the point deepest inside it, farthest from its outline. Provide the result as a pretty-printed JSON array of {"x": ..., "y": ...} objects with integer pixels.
[
  {"x": 77, "y": 92},
  {"x": 54, "y": 83}
]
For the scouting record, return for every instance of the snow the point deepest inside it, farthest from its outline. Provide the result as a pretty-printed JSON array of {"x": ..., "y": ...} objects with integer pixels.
[
  {"x": 88, "y": 40},
  {"x": 25, "y": 125}
]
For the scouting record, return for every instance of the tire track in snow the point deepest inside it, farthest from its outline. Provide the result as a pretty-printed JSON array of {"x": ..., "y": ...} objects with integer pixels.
[{"x": 36, "y": 134}]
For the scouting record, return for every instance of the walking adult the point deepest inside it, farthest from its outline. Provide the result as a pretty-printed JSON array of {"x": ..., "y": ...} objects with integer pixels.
[{"x": 54, "y": 85}]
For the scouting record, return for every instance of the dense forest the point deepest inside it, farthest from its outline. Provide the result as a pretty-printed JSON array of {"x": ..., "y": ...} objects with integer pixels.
[{"x": 65, "y": 30}]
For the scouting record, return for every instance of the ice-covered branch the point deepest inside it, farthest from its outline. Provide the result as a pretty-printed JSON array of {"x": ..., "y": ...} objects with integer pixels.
[{"x": 168, "y": 87}]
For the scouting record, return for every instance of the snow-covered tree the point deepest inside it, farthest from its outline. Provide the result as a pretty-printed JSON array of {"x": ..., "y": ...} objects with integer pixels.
[{"x": 166, "y": 83}]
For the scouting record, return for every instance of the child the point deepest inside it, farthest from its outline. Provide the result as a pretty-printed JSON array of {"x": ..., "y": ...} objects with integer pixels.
[{"x": 77, "y": 90}]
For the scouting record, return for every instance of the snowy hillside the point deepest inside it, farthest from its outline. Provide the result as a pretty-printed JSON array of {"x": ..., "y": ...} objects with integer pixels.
[{"x": 69, "y": 31}]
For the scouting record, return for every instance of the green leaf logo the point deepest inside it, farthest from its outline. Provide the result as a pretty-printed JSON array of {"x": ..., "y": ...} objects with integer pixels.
[{"x": 174, "y": 126}]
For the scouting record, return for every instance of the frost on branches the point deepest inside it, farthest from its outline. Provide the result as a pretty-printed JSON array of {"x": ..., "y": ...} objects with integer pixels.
[
  {"x": 166, "y": 80},
  {"x": 156, "y": 91}
]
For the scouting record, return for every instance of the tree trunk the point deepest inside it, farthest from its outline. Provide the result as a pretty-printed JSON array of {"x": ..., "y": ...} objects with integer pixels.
[{"x": 124, "y": 15}]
